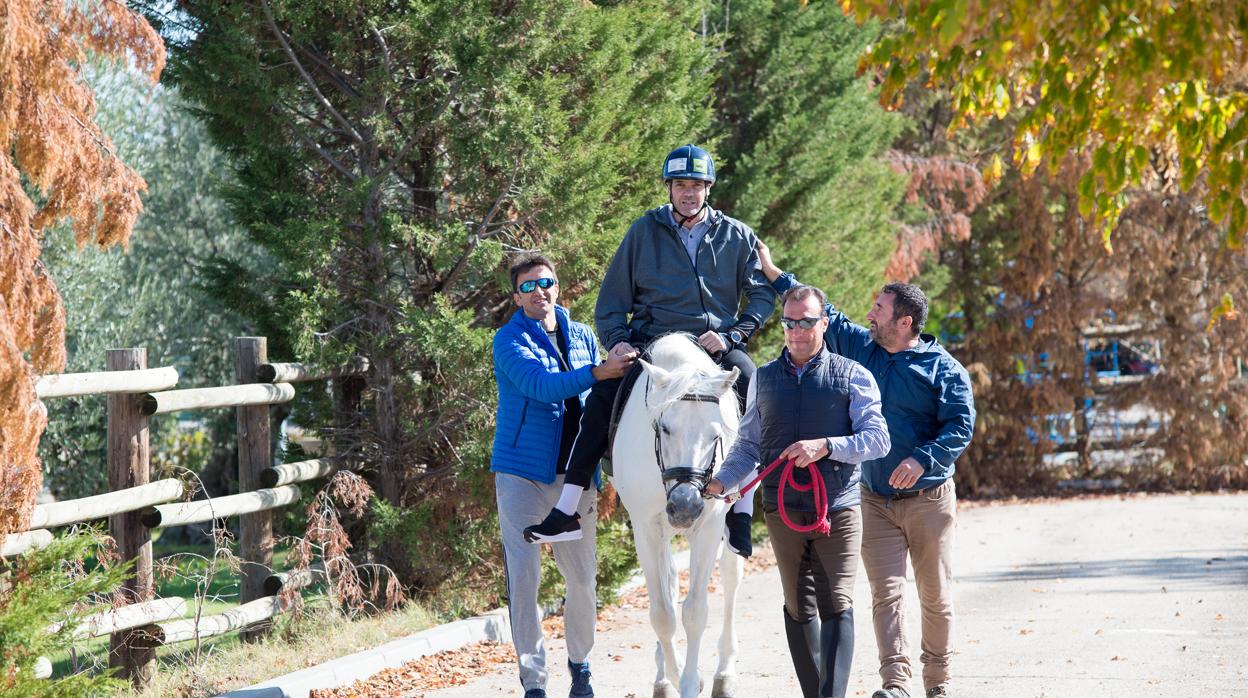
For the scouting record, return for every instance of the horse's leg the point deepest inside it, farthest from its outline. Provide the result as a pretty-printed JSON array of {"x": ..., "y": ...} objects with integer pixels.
[
  {"x": 702, "y": 549},
  {"x": 730, "y": 568},
  {"x": 656, "y": 562}
]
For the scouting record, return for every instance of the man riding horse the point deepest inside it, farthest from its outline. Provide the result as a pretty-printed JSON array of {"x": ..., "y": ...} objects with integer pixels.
[{"x": 682, "y": 267}]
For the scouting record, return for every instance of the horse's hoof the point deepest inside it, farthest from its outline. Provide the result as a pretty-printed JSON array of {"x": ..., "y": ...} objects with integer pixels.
[
  {"x": 665, "y": 689},
  {"x": 724, "y": 687}
]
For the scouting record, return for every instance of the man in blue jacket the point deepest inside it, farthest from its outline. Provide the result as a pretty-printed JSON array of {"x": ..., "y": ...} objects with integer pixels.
[
  {"x": 823, "y": 412},
  {"x": 545, "y": 364},
  {"x": 908, "y": 499},
  {"x": 682, "y": 267}
]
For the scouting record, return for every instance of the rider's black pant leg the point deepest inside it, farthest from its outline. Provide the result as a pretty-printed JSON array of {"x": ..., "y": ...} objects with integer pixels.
[
  {"x": 740, "y": 360},
  {"x": 591, "y": 438}
]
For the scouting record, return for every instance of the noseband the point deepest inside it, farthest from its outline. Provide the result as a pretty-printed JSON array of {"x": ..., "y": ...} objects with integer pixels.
[{"x": 698, "y": 477}]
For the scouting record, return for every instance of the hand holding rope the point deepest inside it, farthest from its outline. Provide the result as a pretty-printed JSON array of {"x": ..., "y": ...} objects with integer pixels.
[{"x": 787, "y": 480}]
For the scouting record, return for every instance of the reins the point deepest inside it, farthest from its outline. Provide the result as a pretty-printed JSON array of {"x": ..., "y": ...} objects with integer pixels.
[{"x": 787, "y": 480}]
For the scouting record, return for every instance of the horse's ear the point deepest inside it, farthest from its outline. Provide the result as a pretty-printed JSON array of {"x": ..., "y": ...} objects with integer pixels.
[
  {"x": 659, "y": 376},
  {"x": 729, "y": 379}
]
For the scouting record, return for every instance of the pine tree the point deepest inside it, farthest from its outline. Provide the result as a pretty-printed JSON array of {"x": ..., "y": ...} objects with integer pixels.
[
  {"x": 389, "y": 156},
  {"x": 803, "y": 144}
]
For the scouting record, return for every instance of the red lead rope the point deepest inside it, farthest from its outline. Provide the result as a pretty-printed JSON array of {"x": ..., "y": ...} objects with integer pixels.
[{"x": 786, "y": 480}]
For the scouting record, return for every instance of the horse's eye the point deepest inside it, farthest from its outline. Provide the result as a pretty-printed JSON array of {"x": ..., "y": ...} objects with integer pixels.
[{"x": 665, "y": 429}]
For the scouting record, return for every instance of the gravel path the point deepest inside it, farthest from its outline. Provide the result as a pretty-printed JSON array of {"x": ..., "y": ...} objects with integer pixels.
[{"x": 1100, "y": 597}]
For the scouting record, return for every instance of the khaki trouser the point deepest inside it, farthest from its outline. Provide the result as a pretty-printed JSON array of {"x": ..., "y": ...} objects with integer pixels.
[{"x": 923, "y": 527}]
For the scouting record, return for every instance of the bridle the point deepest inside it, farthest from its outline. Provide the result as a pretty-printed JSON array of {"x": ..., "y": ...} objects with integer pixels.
[{"x": 698, "y": 477}]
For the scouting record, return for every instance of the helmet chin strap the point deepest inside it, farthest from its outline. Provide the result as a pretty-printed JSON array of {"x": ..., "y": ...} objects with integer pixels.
[{"x": 681, "y": 219}]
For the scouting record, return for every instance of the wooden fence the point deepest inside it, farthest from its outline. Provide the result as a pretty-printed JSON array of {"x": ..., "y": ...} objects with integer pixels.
[{"x": 134, "y": 506}]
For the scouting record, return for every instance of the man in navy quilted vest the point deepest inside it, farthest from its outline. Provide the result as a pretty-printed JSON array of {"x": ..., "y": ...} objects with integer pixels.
[
  {"x": 909, "y": 505},
  {"x": 545, "y": 365},
  {"x": 682, "y": 267},
  {"x": 823, "y": 412}
]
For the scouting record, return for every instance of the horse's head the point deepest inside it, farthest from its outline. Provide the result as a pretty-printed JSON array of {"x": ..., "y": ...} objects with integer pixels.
[{"x": 690, "y": 432}]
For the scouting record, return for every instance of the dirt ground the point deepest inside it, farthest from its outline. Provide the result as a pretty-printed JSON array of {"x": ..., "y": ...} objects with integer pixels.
[{"x": 1106, "y": 597}]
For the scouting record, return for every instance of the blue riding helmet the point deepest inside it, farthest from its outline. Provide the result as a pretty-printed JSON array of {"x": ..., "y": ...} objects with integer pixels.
[{"x": 689, "y": 162}]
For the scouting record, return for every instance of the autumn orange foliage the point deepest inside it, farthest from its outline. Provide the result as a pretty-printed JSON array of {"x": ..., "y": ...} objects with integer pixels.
[
  {"x": 949, "y": 191},
  {"x": 57, "y": 166}
]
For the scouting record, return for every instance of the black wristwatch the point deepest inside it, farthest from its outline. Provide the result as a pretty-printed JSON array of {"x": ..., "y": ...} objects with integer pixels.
[{"x": 737, "y": 337}]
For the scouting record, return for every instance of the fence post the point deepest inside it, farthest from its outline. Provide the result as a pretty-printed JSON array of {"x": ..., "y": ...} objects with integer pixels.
[
  {"x": 128, "y": 466},
  {"x": 255, "y": 453}
]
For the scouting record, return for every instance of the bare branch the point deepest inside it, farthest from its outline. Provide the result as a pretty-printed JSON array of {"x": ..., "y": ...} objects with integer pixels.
[
  {"x": 475, "y": 239},
  {"x": 307, "y": 78}
]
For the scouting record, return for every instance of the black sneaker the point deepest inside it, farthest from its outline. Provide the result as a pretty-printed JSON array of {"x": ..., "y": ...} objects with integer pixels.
[
  {"x": 556, "y": 527},
  {"x": 737, "y": 533},
  {"x": 891, "y": 692},
  {"x": 580, "y": 680},
  {"x": 938, "y": 692},
  {"x": 535, "y": 693}
]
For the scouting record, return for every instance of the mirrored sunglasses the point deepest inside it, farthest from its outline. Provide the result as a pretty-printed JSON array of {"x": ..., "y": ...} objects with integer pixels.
[
  {"x": 544, "y": 282},
  {"x": 805, "y": 323}
]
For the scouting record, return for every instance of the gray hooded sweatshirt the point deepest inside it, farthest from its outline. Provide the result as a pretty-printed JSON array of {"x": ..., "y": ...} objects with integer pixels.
[{"x": 652, "y": 287}]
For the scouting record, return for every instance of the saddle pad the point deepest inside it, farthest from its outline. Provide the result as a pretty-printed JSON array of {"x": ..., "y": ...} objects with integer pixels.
[{"x": 617, "y": 409}]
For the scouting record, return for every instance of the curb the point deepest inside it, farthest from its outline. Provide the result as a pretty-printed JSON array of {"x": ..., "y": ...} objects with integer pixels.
[{"x": 494, "y": 625}]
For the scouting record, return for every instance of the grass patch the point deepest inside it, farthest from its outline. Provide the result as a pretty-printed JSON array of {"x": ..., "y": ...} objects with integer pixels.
[
  {"x": 186, "y": 571},
  {"x": 297, "y": 642}
]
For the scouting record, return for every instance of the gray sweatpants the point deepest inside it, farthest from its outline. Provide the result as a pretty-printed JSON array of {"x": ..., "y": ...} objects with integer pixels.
[{"x": 521, "y": 503}]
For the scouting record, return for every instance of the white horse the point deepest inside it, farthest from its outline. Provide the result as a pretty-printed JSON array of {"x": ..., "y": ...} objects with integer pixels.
[{"x": 678, "y": 423}]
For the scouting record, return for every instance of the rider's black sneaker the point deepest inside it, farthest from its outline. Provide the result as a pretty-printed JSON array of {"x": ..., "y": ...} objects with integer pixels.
[
  {"x": 580, "y": 680},
  {"x": 556, "y": 527},
  {"x": 737, "y": 533}
]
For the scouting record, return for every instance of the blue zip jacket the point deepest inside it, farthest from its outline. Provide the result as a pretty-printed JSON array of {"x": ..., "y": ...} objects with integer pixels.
[
  {"x": 926, "y": 396},
  {"x": 531, "y": 391}
]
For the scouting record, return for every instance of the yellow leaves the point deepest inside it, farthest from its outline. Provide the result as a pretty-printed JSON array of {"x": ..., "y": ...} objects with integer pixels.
[
  {"x": 1224, "y": 309},
  {"x": 1000, "y": 101},
  {"x": 1135, "y": 76},
  {"x": 992, "y": 173}
]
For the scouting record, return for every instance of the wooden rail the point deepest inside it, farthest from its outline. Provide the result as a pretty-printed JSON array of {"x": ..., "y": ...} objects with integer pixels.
[
  {"x": 209, "y": 398},
  {"x": 134, "y": 506},
  {"x": 300, "y": 471},
  {"x": 104, "y": 382},
  {"x": 297, "y": 373},
  {"x": 201, "y": 510},
  {"x": 237, "y": 618},
  {"x": 104, "y": 505},
  {"x": 132, "y": 616},
  {"x": 297, "y": 579},
  {"x": 18, "y": 543}
]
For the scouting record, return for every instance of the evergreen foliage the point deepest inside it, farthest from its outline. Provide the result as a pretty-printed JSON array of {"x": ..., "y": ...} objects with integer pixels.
[
  {"x": 41, "y": 593},
  {"x": 802, "y": 144},
  {"x": 389, "y": 156}
]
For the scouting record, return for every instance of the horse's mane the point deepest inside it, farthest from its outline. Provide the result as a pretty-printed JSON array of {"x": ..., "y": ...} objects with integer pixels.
[{"x": 690, "y": 368}]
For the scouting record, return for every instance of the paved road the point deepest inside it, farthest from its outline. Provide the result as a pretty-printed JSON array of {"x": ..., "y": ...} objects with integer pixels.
[{"x": 1094, "y": 598}]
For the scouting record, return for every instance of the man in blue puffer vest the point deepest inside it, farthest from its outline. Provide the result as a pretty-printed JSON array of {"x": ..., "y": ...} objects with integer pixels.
[
  {"x": 908, "y": 499},
  {"x": 823, "y": 412},
  {"x": 545, "y": 365},
  {"x": 682, "y": 267}
]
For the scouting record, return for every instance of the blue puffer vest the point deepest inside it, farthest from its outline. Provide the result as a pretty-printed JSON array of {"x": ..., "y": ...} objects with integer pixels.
[{"x": 812, "y": 406}]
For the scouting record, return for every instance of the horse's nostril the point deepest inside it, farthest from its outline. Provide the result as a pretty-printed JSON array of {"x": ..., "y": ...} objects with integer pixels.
[{"x": 684, "y": 505}]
